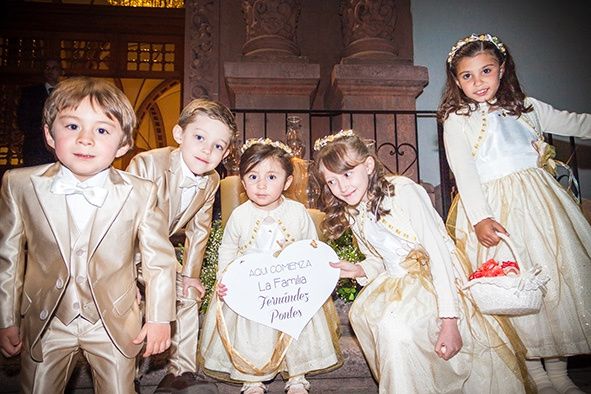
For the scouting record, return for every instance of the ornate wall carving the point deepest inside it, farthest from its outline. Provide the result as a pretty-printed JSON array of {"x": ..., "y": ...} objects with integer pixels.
[
  {"x": 368, "y": 28},
  {"x": 201, "y": 48},
  {"x": 271, "y": 27}
]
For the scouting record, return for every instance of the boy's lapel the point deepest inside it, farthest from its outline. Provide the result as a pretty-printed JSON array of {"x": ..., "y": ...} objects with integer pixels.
[
  {"x": 118, "y": 192},
  {"x": 175, "y": 177},
  {"x": 54, "y": 208},
  {"x": 193, "y": 207}
]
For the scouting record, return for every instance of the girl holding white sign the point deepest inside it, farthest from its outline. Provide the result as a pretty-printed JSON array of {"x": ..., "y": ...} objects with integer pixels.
[
  {"x": 415, "y": 327},
  {"x": 237, "y": 349}
]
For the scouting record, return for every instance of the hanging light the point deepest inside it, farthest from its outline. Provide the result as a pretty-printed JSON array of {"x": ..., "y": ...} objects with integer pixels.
[{"x": 149, "y": 3}]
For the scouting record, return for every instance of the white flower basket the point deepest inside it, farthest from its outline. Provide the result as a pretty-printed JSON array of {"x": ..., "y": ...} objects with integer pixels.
[{"x": 509, "y": 295}]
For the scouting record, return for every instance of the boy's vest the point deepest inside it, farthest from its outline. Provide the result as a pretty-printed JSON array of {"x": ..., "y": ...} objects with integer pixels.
[{"x": 77, "y": 299}]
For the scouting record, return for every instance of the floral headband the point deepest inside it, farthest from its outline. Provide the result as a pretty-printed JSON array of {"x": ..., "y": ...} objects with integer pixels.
[
  {"x": 322, "y": 142},
  {"x": 266, "y": 141},
  {"x": 473, "y": 38}
]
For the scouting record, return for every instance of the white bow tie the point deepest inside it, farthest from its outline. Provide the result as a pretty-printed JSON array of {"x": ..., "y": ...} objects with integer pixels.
[
  {"x": 200, "y": 182},
  {"x": 95, "y": 195}
]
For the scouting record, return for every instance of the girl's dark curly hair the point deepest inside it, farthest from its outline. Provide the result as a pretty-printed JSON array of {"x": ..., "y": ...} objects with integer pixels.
[
  {"x": 509, "y": 96},
  {"x": 340, "y": 156}
]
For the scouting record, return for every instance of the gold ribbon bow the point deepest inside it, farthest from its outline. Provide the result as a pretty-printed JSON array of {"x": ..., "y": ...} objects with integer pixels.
[
  {"x": 546, "y": 153},
  {"x": 547, "y": 161},
  {"x": 416, "y": 265}
]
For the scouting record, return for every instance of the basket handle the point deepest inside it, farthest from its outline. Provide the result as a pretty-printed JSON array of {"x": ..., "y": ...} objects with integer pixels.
[{"x": 511, "y": 246}]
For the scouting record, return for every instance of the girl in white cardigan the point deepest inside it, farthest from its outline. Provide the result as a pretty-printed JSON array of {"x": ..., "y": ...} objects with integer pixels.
[
  {"x": 494, "y": 142},
  {"x": 266, "y": 222},
  {"x": 418, "y": 333}
]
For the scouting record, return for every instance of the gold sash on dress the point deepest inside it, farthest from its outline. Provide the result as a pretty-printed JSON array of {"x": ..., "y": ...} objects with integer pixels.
[
  {"x": 547, "y": 160},
  {"x": 416, "y": 264}
]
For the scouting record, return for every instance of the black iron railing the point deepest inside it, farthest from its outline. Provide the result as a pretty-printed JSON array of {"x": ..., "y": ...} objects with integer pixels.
[
  {"x": 396, "y": 135},
  {"x": 318, "y": 123}
]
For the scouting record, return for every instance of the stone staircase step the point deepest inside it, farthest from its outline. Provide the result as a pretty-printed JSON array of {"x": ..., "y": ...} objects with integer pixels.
[{"x": 352, "y": 378}]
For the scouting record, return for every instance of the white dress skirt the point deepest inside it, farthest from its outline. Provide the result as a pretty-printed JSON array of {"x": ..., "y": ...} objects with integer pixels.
[
  {"x": 549, "y": 230},
  {"x": 395, "y": 319},
  {"x": 316, "y": 349}
]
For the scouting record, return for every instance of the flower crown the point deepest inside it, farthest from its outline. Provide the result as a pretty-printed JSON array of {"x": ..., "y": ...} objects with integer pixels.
[
  {"x": 322, "y": 142},
  {"x": 266, "y": 141},
  {"x": 473, "y": 38}
]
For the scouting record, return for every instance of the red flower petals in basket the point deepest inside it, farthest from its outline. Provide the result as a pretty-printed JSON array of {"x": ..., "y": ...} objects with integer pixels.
[
  {"x": 502, "y": 289},
  {"x": 493, "y": 268}
]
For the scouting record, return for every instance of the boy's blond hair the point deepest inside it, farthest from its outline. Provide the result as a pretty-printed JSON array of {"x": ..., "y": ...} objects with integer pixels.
[
  {"x": 69, "y": 93},
  {"x": 212, "y": 109}
]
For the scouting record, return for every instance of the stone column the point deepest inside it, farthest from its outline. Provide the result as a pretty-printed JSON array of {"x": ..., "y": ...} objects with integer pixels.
[
  {"x": 202, "y": 42},
  {"x": 271, "y": 28},
  {"x": 272, "y": 74},
  {"x": 376, "y": 72},
  {"x": 368, "y": 30}
]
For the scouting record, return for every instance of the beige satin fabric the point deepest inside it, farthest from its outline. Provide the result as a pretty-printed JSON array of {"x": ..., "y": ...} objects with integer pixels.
[
  {"x": 112, "y": 372},
  {"x": 163, "y": 167},
  {"x": 185, "y": 332},
  {"x": 77, "y": 299},
  {"x": 128, "y": 221}
]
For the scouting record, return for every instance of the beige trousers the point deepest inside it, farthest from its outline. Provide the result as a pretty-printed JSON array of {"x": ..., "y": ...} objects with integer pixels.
[
  {"x": 185, "y": 331},
  {"x": 112, "y": 372}
]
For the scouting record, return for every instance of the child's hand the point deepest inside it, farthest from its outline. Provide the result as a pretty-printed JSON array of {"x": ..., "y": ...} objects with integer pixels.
[
  {"x": 158, "y": 338},
  {"x": 348, "y": 270},
  {"x": 449, "y": 341},
  {"x": 195, "y": 283},
  {"x": 486, "y": 232},
  {"x": 221, "y": 290},
  {"x": 10, "y": 341}
]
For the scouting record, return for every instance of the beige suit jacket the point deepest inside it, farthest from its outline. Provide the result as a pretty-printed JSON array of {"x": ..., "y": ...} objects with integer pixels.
[
  {"x": 163, "y": 167},
  {"x": 35, "y": 253}
]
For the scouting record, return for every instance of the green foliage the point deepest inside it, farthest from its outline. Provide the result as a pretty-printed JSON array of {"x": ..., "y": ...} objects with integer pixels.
[
  {"x": 210, "y": 262},
  {"x": 346, "y": 289}
]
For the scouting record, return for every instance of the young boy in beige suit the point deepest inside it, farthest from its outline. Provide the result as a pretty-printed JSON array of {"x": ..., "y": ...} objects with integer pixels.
[
  {"x": 68, "y": 236},
  {"x": 187, "y": 183}
]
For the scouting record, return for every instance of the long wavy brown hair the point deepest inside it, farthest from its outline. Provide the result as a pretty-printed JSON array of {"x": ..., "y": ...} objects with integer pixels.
[
  {"x": 509, "y": 96},
  {"x": 340, "y": 156}
]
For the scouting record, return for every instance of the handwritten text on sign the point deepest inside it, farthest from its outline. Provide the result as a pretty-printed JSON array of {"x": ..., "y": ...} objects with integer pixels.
[{"x": 282, "y": 292}]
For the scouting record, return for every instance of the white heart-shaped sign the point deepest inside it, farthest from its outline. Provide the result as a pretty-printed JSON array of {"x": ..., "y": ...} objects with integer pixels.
[{"x": 282, "y": 292}]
